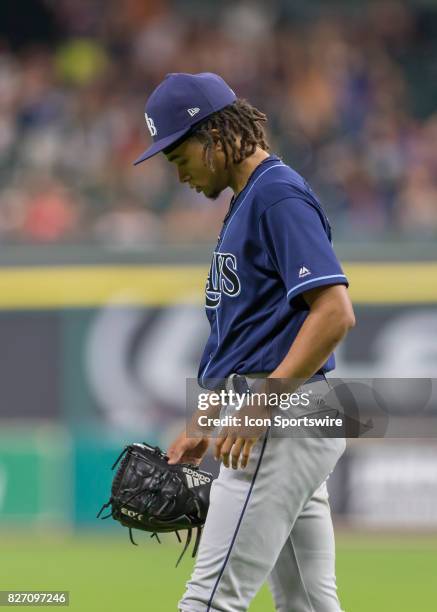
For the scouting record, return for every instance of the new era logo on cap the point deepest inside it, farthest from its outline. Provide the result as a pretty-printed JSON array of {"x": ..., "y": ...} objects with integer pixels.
[{"x": 193, "y": 111}]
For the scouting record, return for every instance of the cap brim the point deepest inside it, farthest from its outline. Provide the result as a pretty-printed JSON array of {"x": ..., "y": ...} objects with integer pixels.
[{"x": 159, "y": 145}]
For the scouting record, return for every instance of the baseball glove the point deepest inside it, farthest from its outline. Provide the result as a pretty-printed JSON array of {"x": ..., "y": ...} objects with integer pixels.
[{"x": 149, "y": 494}]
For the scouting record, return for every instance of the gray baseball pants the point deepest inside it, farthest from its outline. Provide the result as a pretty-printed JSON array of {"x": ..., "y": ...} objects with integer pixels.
[{"x": 270, "y": 521}]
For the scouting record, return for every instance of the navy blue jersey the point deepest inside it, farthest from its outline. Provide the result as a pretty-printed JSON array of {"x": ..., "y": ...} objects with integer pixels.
[{"x": 275, "y": 244}]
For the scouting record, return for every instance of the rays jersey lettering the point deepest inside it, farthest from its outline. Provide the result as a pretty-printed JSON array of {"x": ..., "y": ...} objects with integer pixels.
[{"x": 222, "y": 278}]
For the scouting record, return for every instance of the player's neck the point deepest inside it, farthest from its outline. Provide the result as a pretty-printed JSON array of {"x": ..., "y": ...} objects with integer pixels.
[{"x": 239, "y": 174}]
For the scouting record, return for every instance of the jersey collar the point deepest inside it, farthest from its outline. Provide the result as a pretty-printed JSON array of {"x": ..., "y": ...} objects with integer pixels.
[{"x": 252, "y": 176}]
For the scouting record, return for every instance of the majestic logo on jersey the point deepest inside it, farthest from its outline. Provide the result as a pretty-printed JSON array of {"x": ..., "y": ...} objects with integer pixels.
[
  {"x": 222, "y": 278},
  {"x": 303, "y": 271},
  {"x": 151, "y": 125},
  {"x": 193, "y": 111}
]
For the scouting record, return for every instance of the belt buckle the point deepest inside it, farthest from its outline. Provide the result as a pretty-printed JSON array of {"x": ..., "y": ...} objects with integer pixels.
[{"x": 238, "y": 383}]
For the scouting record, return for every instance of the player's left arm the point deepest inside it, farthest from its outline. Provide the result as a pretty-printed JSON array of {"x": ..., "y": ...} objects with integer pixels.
[{"x": 329, "y": 319}]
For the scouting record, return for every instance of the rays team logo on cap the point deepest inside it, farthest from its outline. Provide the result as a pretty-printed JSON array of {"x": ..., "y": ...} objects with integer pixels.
[{"x": 151, "y": 125}]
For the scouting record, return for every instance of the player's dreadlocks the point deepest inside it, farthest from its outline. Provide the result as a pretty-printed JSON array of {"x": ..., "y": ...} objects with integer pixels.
[{"x": 240, "y": 119}]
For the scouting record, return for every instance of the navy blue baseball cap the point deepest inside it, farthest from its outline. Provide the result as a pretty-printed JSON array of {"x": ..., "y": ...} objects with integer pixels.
[{"x": 178, "y": 103}]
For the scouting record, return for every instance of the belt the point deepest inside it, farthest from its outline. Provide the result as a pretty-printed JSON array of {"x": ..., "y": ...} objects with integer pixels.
[{"x": 240, "y": 382}]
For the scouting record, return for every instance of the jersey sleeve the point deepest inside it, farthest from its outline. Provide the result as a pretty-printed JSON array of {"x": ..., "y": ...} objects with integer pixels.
[{"x": 295, "y": 237}]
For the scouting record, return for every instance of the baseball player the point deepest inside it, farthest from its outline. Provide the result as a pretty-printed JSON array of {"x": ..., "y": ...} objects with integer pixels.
[{"x": 277, "y": 304}]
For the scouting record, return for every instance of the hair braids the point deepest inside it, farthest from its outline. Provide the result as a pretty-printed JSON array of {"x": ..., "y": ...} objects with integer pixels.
[{"x": 240, "y": 119}]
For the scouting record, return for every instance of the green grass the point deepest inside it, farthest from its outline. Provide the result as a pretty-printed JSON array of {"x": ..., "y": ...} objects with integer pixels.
[{"x": 376, "y": 573}]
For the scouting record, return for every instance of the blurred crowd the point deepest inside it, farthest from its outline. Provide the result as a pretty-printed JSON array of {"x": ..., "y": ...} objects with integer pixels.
[{"x": 351, "y": 100}]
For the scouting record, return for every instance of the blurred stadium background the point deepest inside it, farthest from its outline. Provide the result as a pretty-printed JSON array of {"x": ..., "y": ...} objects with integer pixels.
[{"x": 102, "y": 268}]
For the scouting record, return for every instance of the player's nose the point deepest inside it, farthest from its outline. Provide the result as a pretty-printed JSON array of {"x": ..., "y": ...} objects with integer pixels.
[{"x": 183, "y": 176}]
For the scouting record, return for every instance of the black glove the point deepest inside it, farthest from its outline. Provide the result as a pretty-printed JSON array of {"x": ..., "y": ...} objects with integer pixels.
[{"x": 149, "y": 494}]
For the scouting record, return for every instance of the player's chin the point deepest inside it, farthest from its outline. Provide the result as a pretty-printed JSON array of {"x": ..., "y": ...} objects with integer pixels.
[{"x": 212, "y": 194}]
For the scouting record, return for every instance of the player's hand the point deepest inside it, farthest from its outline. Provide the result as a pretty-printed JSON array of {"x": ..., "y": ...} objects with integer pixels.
[
  {"x": 235, "y": 442},
  {"x": 233, "y": 450},
  {"x": 187, "y": 450}
]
